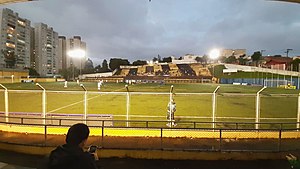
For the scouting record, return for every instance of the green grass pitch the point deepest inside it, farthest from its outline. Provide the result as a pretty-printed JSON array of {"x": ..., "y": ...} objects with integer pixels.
[{"x": 237, "y": 106}]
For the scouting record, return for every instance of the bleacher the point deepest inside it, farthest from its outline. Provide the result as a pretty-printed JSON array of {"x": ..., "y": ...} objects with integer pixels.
[
  {"x": 157, "y": 69},
  {"x": 165, "y": 69},
  {"x": 186, "y": 70},
  {"x": 165, "y": 72},
  {"x": 174, "y": 70},
  {"x": 149, "y": 70},
  {"x": 132, "y": 72},
  {"x": 141, "y": 70},
  {"x": 196, "y": 68},
  {"x": 124, "y": 72}
]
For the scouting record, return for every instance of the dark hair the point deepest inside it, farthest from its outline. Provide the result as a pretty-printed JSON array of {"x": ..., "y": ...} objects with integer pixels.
[{"x": 77, "y": 133}]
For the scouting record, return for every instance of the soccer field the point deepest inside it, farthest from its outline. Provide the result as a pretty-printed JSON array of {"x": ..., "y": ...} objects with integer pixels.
[{"x": 149, "y": 101}]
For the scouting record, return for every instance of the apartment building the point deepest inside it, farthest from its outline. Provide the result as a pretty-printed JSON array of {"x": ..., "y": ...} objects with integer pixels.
[
  {"x": 46, "y": 50},
  {"x": 62, "y": 52},
  {"x": 14, "y": 40}
]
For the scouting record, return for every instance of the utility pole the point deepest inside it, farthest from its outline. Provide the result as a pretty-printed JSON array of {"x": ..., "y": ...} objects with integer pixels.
[
  {"x": 287, "y": 52},
  {"x": 261, "y": 52}
]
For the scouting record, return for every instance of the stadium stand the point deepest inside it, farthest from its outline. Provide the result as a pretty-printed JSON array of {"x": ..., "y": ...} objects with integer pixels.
[
  {"x": 165, "y": 69},
  {"x": 132, "y": 72},
  {"x": 149, "y": 70},
  {"x": 124, "y": 72},
  {"x": 141, "y": 70},
  {"x": 159, "y": 73},
  {"x": 186, "y": 70},
  {"x": 196, "y": 68},
  {"x": 174, "y": 70},
  {"x": 205, "y": 72}
]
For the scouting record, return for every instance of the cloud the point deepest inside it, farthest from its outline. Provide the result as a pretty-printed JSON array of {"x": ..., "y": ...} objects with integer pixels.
[{"x": 137, "y": 29}]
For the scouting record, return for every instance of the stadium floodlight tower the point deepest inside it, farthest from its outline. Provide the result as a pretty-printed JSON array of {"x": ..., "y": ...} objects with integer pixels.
[
  {"x": 43, "y": 102},
  {"x": 78, "y": 54},
  {"x": 6, "y": 101},
  {"x": 85, "y": 103},
  {"x": 214, "y": 55}
]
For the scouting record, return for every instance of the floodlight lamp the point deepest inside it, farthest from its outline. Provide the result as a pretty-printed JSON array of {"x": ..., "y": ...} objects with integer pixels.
[
  {"x": 77, "y": 53},
  {"x": 214, "y": 54}
]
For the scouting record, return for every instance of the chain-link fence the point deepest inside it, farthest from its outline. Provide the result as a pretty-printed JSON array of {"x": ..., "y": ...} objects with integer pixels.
[
  {"x": 24, "y": 130},
  {"x": 149, "y": 106}
]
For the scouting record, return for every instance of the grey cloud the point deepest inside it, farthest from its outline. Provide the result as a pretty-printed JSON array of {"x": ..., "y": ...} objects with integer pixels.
[{"x": 137, "y": 29}]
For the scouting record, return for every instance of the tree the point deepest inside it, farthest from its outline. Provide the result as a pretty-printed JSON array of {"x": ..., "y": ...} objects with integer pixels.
[
  {"x": 98, "y": 68},
  {"x": 88, "y": 66},
  {"x": 167, "y": 59},
  {"x": 9, "y": 58},
  {"x": 139, "y": 63},
  {"x": 256, "y": 57},
  {"x": 242, "y": 60},
  {"x": 205, "y": 59},
  {"x": 230, "y": 59},
  {"x": 115, "y": 63},
  {"x": 199, "y": 59},
  {"x": 155, "y": 59},
  {"x": 295, "y": 64},
  {"x": 69, "y": 73},
  {"x": 105, "y": 66},
  {"x": 33, "y": 72},
  {"x": 158, "y": 58}
]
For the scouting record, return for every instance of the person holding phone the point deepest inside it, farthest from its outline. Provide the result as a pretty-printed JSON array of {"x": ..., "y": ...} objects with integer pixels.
[{"x": 71, "y": 154}]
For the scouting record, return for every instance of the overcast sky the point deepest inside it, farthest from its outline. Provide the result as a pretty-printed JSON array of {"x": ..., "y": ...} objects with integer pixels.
[{"x": 139, "y": 29}]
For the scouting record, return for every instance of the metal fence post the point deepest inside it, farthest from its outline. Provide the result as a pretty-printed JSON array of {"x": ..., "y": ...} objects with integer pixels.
[
  {"x": 298, "y": 112},
  {"x": 127, "y": 105},
  {"x": 43, "y": 102},
  {"x": 161, "y": 138},
  {"x": 85, "y": 103},
  {"x": 214, "y": 102},
  {"x": 257, "y": 119},
  {"x": 45, "y": 134},
  {"x": 279, "y": 140},
  {"x": 220, "y": 143},
  {"x": 6, "y": 102},
  {"x": 102, "y": 136}
]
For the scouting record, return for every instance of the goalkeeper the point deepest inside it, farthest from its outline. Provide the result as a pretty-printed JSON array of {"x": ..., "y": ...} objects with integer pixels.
[{"x": 171, "y": 109}]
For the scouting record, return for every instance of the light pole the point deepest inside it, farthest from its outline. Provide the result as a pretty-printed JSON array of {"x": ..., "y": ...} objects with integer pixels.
[
  {"x": 287, "y": 52},
  {"x": 79, "y": 54},
  {"x": 214, "y": 55},
  {"x": 261, "y": 52}
]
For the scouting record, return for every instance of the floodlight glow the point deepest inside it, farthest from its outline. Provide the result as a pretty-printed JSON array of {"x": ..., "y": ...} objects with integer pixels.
[
  {"x": 214, "y": 54},
  {"x": 77, "y": 53}
]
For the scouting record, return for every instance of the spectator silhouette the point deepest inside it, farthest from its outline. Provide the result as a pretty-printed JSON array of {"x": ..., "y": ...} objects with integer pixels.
[{"x": 71, "y": 154}]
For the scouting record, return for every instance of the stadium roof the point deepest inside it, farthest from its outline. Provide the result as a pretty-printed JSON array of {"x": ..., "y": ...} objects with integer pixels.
[
  {"x": 13, "y": 1},
  {"x": 295, "y": 1}
]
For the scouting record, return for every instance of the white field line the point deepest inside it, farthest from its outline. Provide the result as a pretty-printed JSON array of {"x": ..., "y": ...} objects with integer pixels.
[
  {"x": 72, "y": 104},
  {"x": 153, "y": 93}
]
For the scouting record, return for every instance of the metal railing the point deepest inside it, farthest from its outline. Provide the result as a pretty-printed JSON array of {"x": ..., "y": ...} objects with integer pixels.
[{"x": 155, "y": 135}]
